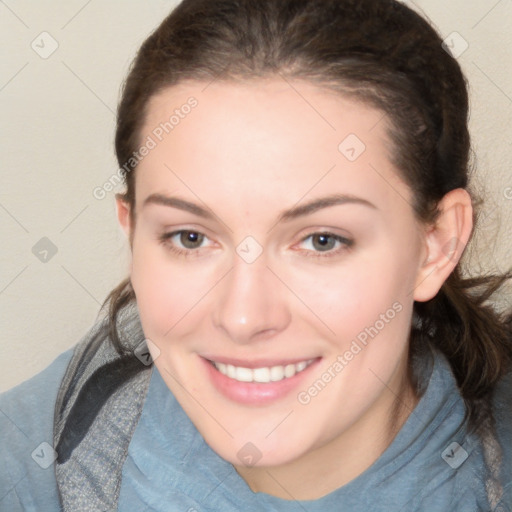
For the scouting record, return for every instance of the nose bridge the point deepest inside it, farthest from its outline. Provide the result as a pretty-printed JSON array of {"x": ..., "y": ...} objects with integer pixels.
[{"x": 251, "y": 302}]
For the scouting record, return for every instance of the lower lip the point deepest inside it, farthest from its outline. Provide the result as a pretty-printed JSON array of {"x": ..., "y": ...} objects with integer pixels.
[{"x": 256, "y": 393}]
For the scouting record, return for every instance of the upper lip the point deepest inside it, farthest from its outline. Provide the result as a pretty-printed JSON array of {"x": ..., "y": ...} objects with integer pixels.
[{"x": 257, "y": 363}]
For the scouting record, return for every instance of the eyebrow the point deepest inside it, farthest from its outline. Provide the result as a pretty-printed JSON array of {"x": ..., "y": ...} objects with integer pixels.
[
  {"x": 180, "y": 204},
  {"x": 321, "y": 203},
  {"x": 287, "y": 215}
]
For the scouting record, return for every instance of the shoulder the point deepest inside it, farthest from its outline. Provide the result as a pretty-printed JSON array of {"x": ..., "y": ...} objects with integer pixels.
[{"x": 26, "y": 423}]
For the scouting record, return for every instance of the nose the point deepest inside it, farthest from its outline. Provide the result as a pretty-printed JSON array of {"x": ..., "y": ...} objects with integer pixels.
[{"x": 251, "y": 303}]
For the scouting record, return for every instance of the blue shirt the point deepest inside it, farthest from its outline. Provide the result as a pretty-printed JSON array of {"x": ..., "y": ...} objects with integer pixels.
[{"x": 433, "y": 464}]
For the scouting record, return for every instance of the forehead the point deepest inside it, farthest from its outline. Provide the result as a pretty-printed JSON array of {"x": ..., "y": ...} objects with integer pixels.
[{"x": 286, "y": 138}]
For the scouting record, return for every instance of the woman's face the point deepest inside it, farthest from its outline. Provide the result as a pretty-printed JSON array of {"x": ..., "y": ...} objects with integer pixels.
[{"x": 275, "y": 261}]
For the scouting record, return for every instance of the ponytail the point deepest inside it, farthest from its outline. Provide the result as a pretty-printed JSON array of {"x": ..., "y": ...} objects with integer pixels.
[
  {"x": 475, "y": 338},
  {"x": 117, "y": 299}
]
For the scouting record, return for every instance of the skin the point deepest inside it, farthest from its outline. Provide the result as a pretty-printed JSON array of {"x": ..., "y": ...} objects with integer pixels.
[{"x": 247, "y": 153}]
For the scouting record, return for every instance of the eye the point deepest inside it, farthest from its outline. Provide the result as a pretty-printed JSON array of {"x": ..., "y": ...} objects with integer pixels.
[
  {"x": 325, "y": 243},
  {"x": 183, "y": 241}
]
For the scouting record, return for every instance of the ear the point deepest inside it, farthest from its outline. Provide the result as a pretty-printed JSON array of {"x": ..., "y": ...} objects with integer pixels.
[
  {"x": 123, "y": 214},
  {"x": 444, "y": 243}
]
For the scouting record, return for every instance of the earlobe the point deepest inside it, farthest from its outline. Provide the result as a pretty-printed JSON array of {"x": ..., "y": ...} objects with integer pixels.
[
  {"x": 445, "y": 243},
  {"x": 123, "y": 214}
]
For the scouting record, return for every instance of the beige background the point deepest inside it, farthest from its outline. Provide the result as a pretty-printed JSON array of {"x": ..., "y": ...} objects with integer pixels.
[{"x": 57, "y": 129}]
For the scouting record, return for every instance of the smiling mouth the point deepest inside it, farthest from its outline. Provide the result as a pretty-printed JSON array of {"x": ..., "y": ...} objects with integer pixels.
[{"x": 262, "y": 375}]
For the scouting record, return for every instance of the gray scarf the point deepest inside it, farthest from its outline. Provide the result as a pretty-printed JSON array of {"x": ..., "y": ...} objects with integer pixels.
[{"x": 98, "y": 407}]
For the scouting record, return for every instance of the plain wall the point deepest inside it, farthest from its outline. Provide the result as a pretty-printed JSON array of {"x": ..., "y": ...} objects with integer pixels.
[{"x": 57, "y": 130}]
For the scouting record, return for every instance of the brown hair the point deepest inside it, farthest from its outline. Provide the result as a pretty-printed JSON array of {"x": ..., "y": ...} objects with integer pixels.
[{"x": 377, "y": 51}]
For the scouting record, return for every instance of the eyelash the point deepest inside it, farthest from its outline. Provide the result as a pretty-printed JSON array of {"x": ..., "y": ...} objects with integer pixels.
[{"x": 346, "y": 243}]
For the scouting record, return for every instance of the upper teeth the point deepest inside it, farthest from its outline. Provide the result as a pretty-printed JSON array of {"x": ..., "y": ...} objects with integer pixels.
[{"x": 267, "y": 374}]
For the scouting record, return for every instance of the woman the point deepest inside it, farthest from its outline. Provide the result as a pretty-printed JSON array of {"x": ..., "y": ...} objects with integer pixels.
[{"x": 295, "y": 333}]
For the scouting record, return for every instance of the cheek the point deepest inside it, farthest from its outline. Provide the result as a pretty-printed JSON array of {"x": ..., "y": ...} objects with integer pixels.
[
  {"x": 362, "y": 292},
  {"x": 368, "y": 311},
  {"x": 166, "y": 292}
]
